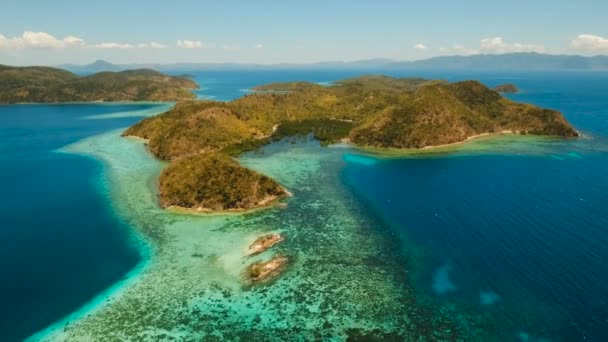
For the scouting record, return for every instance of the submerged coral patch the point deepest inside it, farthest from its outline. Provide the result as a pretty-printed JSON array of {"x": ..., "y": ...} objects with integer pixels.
[
  {"x": 344, "y": 278},
  {"x": 442, "y": 284}
]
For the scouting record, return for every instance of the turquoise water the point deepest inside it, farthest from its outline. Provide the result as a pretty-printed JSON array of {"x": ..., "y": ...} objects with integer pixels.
[
  {"x": 516, "y": 233},
  {"x": 60, "y": 241},
  {"x": 504, "y": 238}
]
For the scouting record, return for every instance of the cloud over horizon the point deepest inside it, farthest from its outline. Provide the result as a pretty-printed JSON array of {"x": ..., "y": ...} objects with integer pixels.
[
  {"x": 590, "y": 43},
  {"x": 499, "y": 45},
  {"x": 34, "y": 43},
  {"x": 458, "y": 49},
  {"x": 112, "y": 45},
  {"x": 43, "y": 40},
  {"x": 152, "y": 45},
  {"x": 494, "y": 45},
  {"x": 190, "y": 44}
]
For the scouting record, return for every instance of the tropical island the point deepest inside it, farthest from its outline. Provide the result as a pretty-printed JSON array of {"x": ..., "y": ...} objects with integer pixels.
[
  {"x": 368, "y": 111},
  {"x": 215, "y": 182},
  {"x": 51, "y": 85}
]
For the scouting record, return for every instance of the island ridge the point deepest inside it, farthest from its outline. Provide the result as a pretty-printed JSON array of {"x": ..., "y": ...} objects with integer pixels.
[
  {"x": 52, "y": 85},
  {"x": 376, "y": 111}
]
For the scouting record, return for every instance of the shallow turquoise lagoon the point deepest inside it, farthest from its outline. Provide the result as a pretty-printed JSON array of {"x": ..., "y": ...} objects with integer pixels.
[{"x": 501, "y": 239}]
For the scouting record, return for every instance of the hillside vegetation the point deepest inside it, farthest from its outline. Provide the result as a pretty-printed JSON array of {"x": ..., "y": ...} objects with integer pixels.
[
  {"x": 375, "y": 111},
  {"x": 52, "y": 85},
  {"x": 215, "y": 182},
  {"x": 370, "y": 110}
]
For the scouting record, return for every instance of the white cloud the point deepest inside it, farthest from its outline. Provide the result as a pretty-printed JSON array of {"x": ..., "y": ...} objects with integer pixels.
[
  {"x": 590, "y": 43},
  {"x": 459, "y": 50},
  {"x": 493, "y": 45},
  {"x": 152, "y": 45},
  {"x": 420, "y": 46},
  {"x": 190, "y": 44},
  {"x": 258, "y": 46},
  {"x": 498, "y": 45},
  {"x": 31, "y": 39},
  {"x": 73, "y": 41},
  {"x": 112, "y": 45}
]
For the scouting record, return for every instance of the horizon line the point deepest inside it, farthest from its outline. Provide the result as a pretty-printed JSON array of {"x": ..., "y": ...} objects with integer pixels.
[{"x": 347, "y": 61}]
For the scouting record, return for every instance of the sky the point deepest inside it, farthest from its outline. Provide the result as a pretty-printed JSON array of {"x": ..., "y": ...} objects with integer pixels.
[{"x": 306, "y": 31}]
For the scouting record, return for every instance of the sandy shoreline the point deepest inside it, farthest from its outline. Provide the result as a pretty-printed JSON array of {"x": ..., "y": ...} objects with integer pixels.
[
  {"x": 271, "y": 202},
  {"x": 136, "y": 138},
  {"x": 470, "y": 138},
  {"x": 431, "y": 149}
]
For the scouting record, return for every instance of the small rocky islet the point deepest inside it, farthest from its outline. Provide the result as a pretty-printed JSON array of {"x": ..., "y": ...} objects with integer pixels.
[
  {"x": 262, "y": 271},
  {"x": 261, "y": 244}
]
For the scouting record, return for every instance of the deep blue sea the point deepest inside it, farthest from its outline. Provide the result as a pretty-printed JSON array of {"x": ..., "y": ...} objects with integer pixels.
[
  {"x": 520, "y": 239},
  {"x": 60, "y": 242}
]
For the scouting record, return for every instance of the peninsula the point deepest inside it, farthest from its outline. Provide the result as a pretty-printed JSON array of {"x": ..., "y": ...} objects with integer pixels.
[
  {"x": 52, "y": 85},
  {"x": 376, "y": 111}
]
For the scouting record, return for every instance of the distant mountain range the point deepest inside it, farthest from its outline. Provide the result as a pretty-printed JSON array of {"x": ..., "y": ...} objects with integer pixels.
[{"x": 511, "y": 61}]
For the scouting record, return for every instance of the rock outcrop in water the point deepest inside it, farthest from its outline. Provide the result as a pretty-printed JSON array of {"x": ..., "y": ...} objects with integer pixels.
[
  {"x": 261, "y": 271},
  {"x": 261, "y": 244},
  {"x": 52, "y": 85},
  {"x": 375, "y": 111}
]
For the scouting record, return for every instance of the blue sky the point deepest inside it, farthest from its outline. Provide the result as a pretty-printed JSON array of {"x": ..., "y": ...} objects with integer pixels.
[{"x": 262, "y": 31}]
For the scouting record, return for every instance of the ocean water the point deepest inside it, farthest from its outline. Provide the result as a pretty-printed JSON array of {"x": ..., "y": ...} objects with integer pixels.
[
  {"x": 513, "y": 230},
  {"x": 517, "y": 234},
  {"x": 192, "y": 287},
  {"x": 500, "y": 239},
  {"x": 60, "y": 241}
]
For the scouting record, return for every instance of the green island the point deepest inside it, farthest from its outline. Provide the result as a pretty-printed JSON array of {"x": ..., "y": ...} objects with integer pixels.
[
  {"x": 52, "y": 85},
  {"x": 201, "y": 181},
  {"x": 314, "y": 268},
  {"x": 507, "y": 88},
  {"x": 369, "y": 111}
]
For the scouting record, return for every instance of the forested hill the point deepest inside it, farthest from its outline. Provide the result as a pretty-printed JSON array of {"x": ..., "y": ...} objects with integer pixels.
[
  {"x": 52, "y": 85},
  {"x": 370, "y": 110},
  {"x": 376, "y": 111}
]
